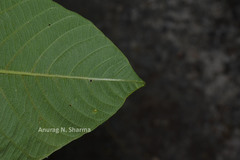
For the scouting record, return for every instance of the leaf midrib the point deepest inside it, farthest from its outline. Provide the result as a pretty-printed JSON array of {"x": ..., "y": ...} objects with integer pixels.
[{"x": 32, "y": 74}]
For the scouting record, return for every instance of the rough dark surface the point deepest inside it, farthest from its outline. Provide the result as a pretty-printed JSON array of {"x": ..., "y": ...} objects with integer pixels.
[{"x": 188, "y": 52}]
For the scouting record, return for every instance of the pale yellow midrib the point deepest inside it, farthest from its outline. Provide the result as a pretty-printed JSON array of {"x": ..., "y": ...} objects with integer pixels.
[{"x": 10, "y": 72}]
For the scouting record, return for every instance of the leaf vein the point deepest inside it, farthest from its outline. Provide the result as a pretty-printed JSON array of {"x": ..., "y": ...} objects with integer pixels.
[
  {"x": 36, "y": 62},
  {"x": 22, "y": 26},
  {"x": 11, "y": 72},
  {"x": 31, "y": 39}
]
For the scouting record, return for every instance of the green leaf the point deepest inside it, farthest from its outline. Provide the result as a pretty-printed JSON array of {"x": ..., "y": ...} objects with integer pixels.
[{"x": 57, "y": 71}]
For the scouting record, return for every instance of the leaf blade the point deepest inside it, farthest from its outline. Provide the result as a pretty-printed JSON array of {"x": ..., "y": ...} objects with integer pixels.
[{"x": 57, "y": 70}]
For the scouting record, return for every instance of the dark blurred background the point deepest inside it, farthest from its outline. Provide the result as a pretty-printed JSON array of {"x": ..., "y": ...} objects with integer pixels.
[{"x": 188, "y": 52}]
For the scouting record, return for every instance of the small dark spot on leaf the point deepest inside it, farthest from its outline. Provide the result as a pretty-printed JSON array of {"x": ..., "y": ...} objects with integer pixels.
[
  {"x": 70, "y": 105},
  {"x": 40, "y": 119},
  {"x": 90, "y": 80},
  {"x": 49, "y": 24}
]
